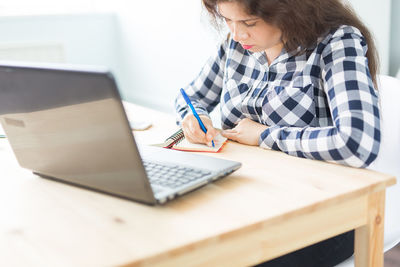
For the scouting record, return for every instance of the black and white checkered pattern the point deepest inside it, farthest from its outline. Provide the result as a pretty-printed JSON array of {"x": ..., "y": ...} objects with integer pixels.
[{"x": 320, "y": 105}]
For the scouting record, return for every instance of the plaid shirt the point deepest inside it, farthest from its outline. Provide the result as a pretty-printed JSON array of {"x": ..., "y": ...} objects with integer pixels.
[{"x": 320, "y": 105}]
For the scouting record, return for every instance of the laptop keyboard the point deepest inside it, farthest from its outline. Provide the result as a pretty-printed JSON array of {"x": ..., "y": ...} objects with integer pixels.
[{"x": 171, "y": 176}]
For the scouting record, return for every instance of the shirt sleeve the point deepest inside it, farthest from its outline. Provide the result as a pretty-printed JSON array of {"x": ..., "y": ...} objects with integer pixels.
[
  {"x": 205, "y": 90},
  {"x": 354, "y": 138}
]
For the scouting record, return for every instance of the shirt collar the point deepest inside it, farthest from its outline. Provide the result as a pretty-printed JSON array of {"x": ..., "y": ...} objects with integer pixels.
[{"x": 261, "y": 56}]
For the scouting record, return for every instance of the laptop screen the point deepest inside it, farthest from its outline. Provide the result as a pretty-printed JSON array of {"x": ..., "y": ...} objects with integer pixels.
[{"x": 71, "y": 125}]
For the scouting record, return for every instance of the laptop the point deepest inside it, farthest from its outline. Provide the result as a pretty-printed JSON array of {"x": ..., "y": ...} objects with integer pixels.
[{"x": 68, "y": 124}]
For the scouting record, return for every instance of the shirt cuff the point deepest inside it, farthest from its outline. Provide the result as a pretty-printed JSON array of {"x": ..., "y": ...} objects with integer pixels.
[
  {"x": 268, "y": 137},
  {"x": 200, "y": 111}
]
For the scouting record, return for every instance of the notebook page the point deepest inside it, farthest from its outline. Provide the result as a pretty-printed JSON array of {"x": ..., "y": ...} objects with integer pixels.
[{"x": 219, "y": 141}]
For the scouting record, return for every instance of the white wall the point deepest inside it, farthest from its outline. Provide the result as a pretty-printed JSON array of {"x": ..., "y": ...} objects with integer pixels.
[
  {"x": 394, "y": 66},
  {"x": 86, "y": 38},
  {"x": 165, "y": 44},
  {"x": 376, "y": 15}
]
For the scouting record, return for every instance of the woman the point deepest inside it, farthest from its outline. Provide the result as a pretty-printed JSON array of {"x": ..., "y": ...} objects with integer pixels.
[{"x": 297, "y": 76}]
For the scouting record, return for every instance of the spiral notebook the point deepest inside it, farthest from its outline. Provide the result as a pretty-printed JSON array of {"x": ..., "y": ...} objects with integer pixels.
[{"x": 178, "y": 141}]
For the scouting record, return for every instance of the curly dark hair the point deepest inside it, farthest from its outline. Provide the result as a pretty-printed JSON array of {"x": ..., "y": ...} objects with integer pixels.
[{"x": 302, "y": 22}]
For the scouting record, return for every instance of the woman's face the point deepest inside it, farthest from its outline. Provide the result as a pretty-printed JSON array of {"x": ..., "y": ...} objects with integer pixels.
[{"x": 251, "y": 32}]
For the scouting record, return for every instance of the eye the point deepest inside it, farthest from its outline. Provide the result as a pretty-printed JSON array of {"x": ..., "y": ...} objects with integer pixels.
[{"x": 250, "y": 24}]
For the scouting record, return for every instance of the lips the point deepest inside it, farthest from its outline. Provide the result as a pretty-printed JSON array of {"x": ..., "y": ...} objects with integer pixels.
[{"x": 247, "y": 46}]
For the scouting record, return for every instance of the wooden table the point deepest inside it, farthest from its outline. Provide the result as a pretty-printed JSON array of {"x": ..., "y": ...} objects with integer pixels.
[{"x": 271, "y": 206}]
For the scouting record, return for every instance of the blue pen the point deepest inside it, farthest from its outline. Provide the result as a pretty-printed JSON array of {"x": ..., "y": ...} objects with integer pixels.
[{"x": 195, "y": 113}]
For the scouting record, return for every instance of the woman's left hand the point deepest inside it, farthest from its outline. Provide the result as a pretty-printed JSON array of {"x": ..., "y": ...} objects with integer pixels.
[{"x": 246, "y": 132}]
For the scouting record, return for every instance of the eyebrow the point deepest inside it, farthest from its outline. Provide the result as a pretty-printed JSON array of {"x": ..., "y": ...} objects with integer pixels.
[{"x": 243, "y": 20}]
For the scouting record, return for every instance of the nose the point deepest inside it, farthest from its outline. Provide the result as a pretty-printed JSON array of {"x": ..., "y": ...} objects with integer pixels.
[{"x": 238, "y": 32}]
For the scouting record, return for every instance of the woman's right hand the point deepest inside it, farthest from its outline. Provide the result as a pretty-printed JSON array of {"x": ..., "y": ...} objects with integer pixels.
[{"x": 193, "y": 132}]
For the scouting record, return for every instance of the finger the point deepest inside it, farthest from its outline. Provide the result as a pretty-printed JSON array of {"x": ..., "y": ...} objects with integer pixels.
[
  {"x": 190, "y": 139},
  {"x": 192, "y": 131},
  {"x": 209, "y": 126},
  {"x": 188, "y": 134},
  {"x": 228, "y": 131},
  {"x": 230, "y": 134},
  {"x": 211, "y": 133},
  {"x": 189, "y": 131},
  {"x": 206, "y": 121},
  {"x": 186, "y": 125},
  {"x": 198, "y": 136},
  {"x": 194, "y": 139},
  {"x": 210, "y": 136},
  {"x": 197, "y": 133}
]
